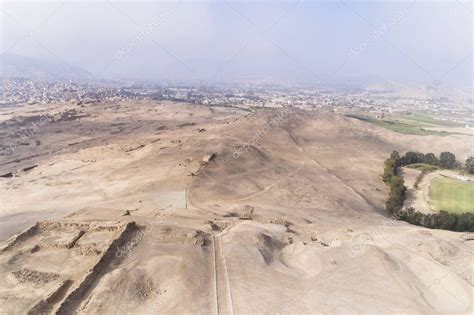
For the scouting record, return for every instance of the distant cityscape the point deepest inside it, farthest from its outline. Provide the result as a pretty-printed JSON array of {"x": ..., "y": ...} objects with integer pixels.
[{"x": 21, "y": 92}]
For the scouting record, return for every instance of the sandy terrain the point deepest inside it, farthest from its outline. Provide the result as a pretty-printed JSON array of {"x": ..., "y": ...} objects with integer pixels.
[
  {"x": 284, "y": 218},
  {"x": 416, "y": 198}
]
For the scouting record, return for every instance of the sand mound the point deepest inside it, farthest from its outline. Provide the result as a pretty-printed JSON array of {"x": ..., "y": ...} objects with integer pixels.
[{"x": 303, "y": 260}]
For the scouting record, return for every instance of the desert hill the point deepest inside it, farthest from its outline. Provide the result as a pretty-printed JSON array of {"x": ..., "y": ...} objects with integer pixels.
[
  {"x": 195, "y": 209},
  {"x": 16, "y": 66}
]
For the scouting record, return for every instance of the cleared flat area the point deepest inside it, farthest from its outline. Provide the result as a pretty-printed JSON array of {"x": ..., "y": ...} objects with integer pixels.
[{"x": 452, "y": 195}]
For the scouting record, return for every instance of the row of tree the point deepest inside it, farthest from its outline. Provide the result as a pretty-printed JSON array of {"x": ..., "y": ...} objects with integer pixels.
[
  {"x": 398, "y": 190},
  {"x": 445, "y": 159},
  {"x": 463, "y": 222},
  {"x": 396, "y": 199}
]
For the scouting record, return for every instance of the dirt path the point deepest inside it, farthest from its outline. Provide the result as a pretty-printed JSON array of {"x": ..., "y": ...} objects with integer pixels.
[{"x": 223, "y": 293}]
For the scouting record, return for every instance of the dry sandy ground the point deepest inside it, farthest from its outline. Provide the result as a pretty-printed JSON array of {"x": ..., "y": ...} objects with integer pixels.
[{"x": 285, "y": 218}]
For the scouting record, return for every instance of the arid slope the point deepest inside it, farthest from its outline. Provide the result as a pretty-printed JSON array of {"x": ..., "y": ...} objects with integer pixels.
[{"x": 229, "y": 211}]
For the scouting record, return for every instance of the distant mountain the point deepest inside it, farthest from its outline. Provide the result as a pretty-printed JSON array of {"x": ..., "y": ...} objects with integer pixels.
[{"x": 16, "y": 66}]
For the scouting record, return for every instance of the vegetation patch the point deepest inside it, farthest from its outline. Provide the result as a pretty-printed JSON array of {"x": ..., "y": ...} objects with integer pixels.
[
  {"x": 405, "y": 126},
  {"x": 450, "y": 194},
  {"x": 455, "y": 221},
  {"x": 427, "y": 119},
  {"x": 444, "y": 220},
  {"x": 423, "y": 167}
]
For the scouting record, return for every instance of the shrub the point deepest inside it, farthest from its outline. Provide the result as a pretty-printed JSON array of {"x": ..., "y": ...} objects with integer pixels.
[
  {"x": 431, "y": 159},
  {"x": 396, "y": 184},
  {"x": 470, "y": 165},
  {"x": 444, "y": 220},
  {"x": 447, "y": 160},
  {"x": 412, "y": 158},
  {"x": 465, "y": 222}
]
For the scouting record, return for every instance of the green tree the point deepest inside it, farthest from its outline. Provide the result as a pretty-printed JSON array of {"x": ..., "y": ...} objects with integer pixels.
[
  {"x": 397, "y": 195},
  {"x": 465, "y": 222},
  {"x": 390, "y": 170},
  {"x": 395, "y": 156},
  {"x": 445, "y": 221},
  {"x": 470, "y": 165},
  {"x": 412, "y": 158},
  {"x": 411, "y": 216},
  {"x": 447, "y": 160},
  {"x": 431, "y": 159}
]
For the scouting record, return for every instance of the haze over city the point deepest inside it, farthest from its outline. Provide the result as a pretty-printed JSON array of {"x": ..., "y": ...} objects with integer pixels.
[
  {"x": 357, "y": 42},
  {"x": 236, "y": 157}
]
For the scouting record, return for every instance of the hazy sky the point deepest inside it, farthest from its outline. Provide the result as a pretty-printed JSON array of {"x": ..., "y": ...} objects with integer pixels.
[{"x": 280, "y": 41}]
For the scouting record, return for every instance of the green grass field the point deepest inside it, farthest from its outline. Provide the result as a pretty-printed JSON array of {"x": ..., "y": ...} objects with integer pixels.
[
  {"x": 413, "y": 125},
  {"x": 452, "y": 195},
  {"x": 423, "y": 167},
  {"x": 427, "y": 120}
]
